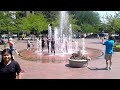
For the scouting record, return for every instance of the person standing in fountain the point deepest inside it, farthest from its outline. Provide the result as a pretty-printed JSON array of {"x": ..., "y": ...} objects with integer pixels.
[
  {"x": 48, "y": 40},
  {"x": 28, "y": 44},
  {"x": 43, "y": 43},
  {"x": 53, "y": 45},
  {"x": 109, "y": 51}
]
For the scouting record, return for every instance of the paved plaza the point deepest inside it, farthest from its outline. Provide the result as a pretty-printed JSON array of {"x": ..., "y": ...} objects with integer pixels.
[{"x": 95, "y": 70}]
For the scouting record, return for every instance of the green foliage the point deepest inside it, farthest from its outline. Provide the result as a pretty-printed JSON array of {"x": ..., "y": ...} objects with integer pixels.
[
  {"x": 19, "y": 14},
  {"x": 88, "y": 17},
  {"x": 52, "y": 17},
  {"x": 87, "y": 21},
  {"x": 6, "y": 22},
  {"x": 117, "y": 48},
  {"x": 87, "y": 28},
  {"x": 73, "y": 21},
  {"x": 113, "y": 23},
  {"x": 33, "y": 22}
]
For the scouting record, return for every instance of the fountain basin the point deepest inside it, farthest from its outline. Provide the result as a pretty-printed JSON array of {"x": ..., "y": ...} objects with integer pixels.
[
  {"x": 77, "y": 63},
  {"x": 44, "y": 57}
]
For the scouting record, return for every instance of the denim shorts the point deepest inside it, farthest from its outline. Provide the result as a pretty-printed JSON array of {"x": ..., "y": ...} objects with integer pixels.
[{"x": 12, "y": 50}]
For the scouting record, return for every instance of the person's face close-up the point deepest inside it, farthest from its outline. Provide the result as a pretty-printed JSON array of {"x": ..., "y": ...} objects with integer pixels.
[{"x": 6, "y": 57}]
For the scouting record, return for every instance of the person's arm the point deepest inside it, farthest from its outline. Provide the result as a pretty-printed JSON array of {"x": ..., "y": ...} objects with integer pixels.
[
  {"x": 18, "y": 70},
  {"x": 11, "y": 43},
  {"x": 104, "y": 43},
  {"x": 18, "y": 76}
]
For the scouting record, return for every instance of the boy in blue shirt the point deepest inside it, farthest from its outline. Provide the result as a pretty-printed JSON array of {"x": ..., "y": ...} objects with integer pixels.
[{"x": 109, "y": 51}]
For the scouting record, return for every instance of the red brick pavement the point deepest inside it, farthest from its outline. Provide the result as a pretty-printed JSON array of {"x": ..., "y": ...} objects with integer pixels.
[{"x": 38, "y": 70}]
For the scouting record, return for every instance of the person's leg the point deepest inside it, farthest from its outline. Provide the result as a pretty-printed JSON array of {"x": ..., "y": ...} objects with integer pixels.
[
  {"x": 110, "y": 61},
  {"x": 106, "y": 58},
  {"x": 48, "y": 49},
  {"x": 16, "y": 52},
  {"x": 12, "y": 51},
  {"x": 27, "y": 46},
  {"x": 54, "y": 50},
  {"x": 107, "y": 64},
  {"x": 42, "y": 48},
  {"x": 51, "y": 49}
]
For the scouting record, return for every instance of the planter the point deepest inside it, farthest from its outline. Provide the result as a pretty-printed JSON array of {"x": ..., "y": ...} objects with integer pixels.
[{"x": 77, "y": 63}]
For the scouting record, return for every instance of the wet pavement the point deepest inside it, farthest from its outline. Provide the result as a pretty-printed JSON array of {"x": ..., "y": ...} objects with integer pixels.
[{"x": 95, "y": 70}]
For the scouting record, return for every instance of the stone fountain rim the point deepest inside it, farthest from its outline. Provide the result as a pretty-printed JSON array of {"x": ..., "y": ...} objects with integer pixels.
[{"x": 81, "y": 60}]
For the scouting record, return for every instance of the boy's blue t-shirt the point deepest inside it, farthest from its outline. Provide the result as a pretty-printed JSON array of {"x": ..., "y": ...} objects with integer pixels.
[{"x": 109, "y": 46}]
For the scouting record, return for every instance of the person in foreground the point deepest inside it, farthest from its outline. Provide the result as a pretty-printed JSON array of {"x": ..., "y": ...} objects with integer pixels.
[
  {"x": 109, "y": 51},
  {"x": 9, "y": 68}
]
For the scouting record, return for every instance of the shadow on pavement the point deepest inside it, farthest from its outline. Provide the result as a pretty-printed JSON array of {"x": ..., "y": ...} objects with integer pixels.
[
  {"x": 67, "y": 65},
  {"x": 94, "y": 68}
]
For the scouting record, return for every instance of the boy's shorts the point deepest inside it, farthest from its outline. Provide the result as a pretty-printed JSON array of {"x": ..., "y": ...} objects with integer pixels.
[{"x": 108, "y": 56}]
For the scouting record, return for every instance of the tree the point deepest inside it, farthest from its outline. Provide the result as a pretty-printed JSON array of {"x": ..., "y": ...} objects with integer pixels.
[
  {"x": 34, "y": 22},
  {"x": 89, "y": 17},
  {"x": 87, "y": 28},
  {"x": 6, "y": 22}
]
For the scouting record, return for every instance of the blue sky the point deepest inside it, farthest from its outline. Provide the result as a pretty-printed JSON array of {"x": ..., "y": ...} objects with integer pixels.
[{"x": 105, "y": 13}]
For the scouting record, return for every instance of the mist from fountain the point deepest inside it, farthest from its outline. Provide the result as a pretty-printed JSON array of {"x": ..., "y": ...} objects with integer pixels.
[
  {"x": 49, "y": 37},
  {"x": 64, "y": 43},
  {"x": 62, "y": 36},
  {"x": 83, "y": 51},
  {"x": 39, "y": 48}
]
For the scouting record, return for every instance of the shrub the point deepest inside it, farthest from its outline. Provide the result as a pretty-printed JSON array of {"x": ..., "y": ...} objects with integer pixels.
[
  {"x": 117, "y": 48},
  {"x": 79, "y": 56}
]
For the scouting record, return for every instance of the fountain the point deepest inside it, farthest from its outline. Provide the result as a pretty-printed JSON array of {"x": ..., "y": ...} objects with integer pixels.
[
  {"x": 39, "y": 48},
  {"x": 49, "y": 36},
  {"x": 63, "y": 35},
  {"x": 79, "y": 59},
  {"x": 64, "y": 44},
  {"x": 83, "y": 51}
]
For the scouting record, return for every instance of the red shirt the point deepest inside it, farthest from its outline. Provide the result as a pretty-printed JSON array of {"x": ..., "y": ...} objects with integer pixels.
[{"x": 10, "y": 43}]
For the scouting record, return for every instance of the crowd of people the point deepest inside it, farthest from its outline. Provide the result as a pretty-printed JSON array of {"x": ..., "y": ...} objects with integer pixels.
[{"x": 45, "y": 42}]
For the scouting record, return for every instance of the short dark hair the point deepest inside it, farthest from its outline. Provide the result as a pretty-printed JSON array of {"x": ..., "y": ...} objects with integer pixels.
[
  {"x": 50, "y": 24},
  {"x": 7, "y": 50},
  {"x": 111, "y": 38}
]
